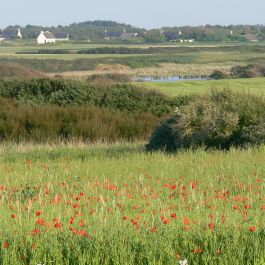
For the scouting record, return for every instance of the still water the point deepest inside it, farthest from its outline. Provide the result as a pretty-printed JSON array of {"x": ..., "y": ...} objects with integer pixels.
[{"x": 168, "y": 78}]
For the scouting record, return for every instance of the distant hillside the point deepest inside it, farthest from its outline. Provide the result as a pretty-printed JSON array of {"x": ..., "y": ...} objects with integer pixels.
[
  {"x": 98, "y": 30},
  {"x": 89, "y": 30}
]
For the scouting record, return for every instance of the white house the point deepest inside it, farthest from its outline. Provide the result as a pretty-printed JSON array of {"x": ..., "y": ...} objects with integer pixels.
[{"x": 46, "y": 37}]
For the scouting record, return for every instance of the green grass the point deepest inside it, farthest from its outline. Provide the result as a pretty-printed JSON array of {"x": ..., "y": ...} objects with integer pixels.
[
  {"x": 121, "y": 202},
  {"x": 251, "y": 85}
]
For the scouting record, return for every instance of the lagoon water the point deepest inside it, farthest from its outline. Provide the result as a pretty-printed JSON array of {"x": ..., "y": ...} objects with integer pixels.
[{"x": 162, "y": 79}]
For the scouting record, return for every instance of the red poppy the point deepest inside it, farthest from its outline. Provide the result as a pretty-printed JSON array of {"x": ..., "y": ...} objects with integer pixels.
[
  {"x": 13, "y": 216},
  {"x": 173, "y": 215},
  {"x": 211, "y": 226},
  {"x": 252, "y": 229},
  {"x": 6, "y": 245},
  {"x": 82, "y": 233},
  {"x": 173, "y": 187},
  {"x": 166, "y": 221},
  {"x": 38, "y": 213},
  {"x": 40, "y": 222},
  {"x": 58, "y": 225}
]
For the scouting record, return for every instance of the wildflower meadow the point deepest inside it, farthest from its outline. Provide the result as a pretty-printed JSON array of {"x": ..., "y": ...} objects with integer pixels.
[{"x": 118, "y": 204}]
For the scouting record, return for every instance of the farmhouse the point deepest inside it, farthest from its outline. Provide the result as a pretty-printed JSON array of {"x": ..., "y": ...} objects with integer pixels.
[
  {"x": 120, "y": 35},
  {"x": 48, "y": 37}
]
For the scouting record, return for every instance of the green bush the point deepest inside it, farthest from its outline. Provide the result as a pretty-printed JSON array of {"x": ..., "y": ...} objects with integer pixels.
[
  {"x": 249, "y": 71},
  {"x": 114, "y": 96},
  {"x": 221, "y": 120},
  {"x": 217, "y": 74}
]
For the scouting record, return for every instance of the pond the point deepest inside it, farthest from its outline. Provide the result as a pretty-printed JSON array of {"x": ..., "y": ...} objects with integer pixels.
[{"x": 162, "y": 79}]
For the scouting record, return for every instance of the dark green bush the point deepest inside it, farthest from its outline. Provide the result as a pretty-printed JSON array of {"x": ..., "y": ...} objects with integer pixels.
[
  {"x": 221, "y": 120},
  {"x": 217, "y": 74},
  {"x": 249, "y": 71},
  {"x": 114, "y": 96}
]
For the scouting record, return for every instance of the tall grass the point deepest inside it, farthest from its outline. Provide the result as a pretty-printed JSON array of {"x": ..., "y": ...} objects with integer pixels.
[{"x": 49, "y": 123}]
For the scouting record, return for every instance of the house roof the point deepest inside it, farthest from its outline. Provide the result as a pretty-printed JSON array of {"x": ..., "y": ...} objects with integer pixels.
[
  {"x": 113, "y": 34},
  {"x": 48, "y": 35},
  {"x": 61, "y": 35},
  {"x": 9, "y": 33},
  {"x": 171, "y": 35}
]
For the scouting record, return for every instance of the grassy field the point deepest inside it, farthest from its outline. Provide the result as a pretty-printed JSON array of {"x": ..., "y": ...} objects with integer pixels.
[
  {"x": 192, "y": 59},
  {"x": 249, "y": 85},
  {"x": 116, "y": 204}
]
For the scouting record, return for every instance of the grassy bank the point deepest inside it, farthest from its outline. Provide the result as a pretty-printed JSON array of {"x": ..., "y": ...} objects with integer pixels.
[
  {"x": 251, "y": 85},
  {"x": 117, "y": 204}
]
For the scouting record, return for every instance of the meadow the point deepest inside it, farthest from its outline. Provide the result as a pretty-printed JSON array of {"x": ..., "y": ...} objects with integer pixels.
[{"x": 117, "y": 204}]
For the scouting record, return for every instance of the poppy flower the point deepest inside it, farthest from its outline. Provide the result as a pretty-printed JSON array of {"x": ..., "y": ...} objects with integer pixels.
[
  {"x": 40, "y": 222},
  {"x": 211, "y": 226},
  {"x": 252, "y": 229},
  {"x": 166, "y": 221},
  {"x": 38, "y": 213},
  {"x": 6, "y": 245},
  {"x": 82, "y": 233},
  {"x": 173, "y": 215},
  {"x": 58, "y": 225}
]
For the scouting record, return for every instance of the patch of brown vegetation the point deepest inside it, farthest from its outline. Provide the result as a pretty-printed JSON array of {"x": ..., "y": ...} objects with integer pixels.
[{"x": 8, "y": 70}]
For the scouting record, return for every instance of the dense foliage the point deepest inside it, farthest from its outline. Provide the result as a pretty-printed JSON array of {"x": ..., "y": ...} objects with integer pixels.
[
  {"x": 221, "y": 120},
  {"x": 114, "y": 96},
  {"x": 249, "y": 71}
]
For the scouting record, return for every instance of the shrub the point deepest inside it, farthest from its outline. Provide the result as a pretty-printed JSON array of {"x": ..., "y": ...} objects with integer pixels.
[
  {"x": 114, "y": 96},
  {"x": 221, "y": 120},
  {"x": 249, "y": 71},
  {"x": 217, "y": 74}
]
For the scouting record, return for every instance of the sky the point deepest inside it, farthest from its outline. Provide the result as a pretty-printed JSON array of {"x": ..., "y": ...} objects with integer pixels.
[{"x": 140, "y": 13}]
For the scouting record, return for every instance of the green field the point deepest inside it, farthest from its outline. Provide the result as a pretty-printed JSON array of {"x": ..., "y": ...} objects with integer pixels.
[
  {"x": 116, "y": 204},
  {"x": 249, "y": 85}
]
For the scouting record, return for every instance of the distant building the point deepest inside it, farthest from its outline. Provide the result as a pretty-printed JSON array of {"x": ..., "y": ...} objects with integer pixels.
[
  {"x": 10, "y": 33},
  {"x": 61, "y": 36},
  {"x": 128, "y": 36},
  {"x": 172, "y": 36},
  {"x": 119, "y": 35},
  {"x": 112, "y": 35},
  {"x": 48, "y": 37}
]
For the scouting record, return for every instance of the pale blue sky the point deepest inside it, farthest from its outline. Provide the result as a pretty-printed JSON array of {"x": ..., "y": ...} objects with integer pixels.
[{"x": 141, "y": 13}]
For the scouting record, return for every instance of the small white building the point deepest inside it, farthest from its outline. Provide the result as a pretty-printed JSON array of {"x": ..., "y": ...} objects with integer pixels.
[{"x": 46, "y": 37}]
